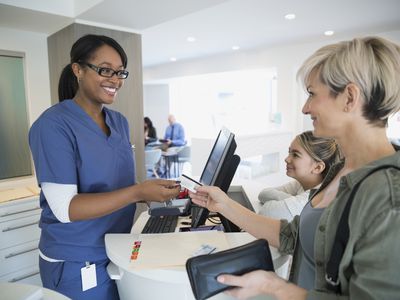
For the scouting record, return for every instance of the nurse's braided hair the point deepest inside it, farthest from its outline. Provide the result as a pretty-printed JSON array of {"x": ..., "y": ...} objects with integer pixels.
[{"x": 82, "y": 50}]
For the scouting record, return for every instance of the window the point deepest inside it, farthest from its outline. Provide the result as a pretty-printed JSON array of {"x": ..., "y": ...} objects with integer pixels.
[
  {"x": 242, "y": 101},
  {"x": 15, "y": 159},
  {"x": 393, "y": 130}
]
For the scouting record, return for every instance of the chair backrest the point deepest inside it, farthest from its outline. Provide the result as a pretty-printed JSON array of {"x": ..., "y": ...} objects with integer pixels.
[
  {"x": 184, "y": 154},
  {"x": 151, "y": 158}
]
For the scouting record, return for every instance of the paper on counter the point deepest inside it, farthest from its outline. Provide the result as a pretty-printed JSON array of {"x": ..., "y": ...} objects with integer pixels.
[{"x": 173, "y": 249}]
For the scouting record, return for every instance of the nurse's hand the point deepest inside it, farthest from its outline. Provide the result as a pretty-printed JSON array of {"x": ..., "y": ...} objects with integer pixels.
[
  {"x": 261, "y": 283},
  {"x": 211, "y": 197},
  {"x": 159, "y": 190}
]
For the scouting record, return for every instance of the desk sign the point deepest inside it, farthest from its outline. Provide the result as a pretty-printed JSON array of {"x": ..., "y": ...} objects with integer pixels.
[{"x": 135, "y": 250}]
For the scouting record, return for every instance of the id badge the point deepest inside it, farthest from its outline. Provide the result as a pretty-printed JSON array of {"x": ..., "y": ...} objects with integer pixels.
[{"x": 89, "y": 278}]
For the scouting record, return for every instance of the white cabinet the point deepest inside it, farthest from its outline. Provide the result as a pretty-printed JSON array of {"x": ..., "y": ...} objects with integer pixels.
[{"x": 19, "y": 239}]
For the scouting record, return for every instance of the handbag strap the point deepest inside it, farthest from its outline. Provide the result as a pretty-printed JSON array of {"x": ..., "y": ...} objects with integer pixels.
[{"x": 342, "y": 237}]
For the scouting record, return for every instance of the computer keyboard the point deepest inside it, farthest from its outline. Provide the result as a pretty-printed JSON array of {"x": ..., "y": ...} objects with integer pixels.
[{"x": 160, "y": 224}]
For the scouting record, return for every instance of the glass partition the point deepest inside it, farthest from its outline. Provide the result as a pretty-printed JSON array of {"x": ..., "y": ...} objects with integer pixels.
[{"x": 15, "y": 159}]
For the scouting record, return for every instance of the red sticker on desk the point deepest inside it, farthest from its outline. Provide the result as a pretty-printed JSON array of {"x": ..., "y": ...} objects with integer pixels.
[{"x": 135, "y": 250}]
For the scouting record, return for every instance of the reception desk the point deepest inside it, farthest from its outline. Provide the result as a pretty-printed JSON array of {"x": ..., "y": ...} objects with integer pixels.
[
  {"x": 170, "y": 283},
  {"x": 167, "y": 283}
]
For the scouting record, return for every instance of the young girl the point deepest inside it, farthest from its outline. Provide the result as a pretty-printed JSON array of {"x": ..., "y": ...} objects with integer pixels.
[{"x": 308, "y": 161}]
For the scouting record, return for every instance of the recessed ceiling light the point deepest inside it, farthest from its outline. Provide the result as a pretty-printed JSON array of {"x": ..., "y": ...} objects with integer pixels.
[
  {"x": 329, "y": 32},
  {"x": 290, "y": 16},
  {"x": 191, "y": 39},
  {"x": 172, "y": 59},
  {"x": 235, "y": 47}
]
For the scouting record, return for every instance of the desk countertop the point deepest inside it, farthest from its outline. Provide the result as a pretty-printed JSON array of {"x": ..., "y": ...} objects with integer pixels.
[
  {"x": 163, "y": 283},
  {"x": 171, "y": 281},
  {"x": 119, "y": 248}
]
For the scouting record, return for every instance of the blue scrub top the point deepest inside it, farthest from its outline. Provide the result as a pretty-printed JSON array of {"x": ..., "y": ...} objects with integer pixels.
[{"x": 68, "y": 147}]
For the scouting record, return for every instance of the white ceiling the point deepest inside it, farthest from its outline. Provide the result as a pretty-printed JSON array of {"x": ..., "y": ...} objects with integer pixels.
[{"x": 217, "y": 25}]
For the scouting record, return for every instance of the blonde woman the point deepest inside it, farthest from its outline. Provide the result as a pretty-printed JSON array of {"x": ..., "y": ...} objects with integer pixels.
[{"x": 353, "y": 88}]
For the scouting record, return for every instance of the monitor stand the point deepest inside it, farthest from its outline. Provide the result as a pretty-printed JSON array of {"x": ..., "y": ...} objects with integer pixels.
[{"x": 224, "y": 185}]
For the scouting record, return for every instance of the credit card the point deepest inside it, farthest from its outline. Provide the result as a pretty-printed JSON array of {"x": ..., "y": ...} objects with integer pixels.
[{"x": 189, "y": 183}]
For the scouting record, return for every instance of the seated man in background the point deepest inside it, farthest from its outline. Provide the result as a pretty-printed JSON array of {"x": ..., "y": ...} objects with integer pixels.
[{"x": 174, "y": 134}]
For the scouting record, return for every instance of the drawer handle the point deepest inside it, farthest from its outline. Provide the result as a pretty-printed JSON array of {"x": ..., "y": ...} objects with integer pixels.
[
  {"x": 12, "y": 254},
  {"x": 19, "y": 278},
  {"x": 18, "y": 212},
  {"x": 19, "y": 226}
]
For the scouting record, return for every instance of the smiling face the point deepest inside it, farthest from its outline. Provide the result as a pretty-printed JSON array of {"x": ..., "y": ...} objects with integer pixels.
[
  {"x": 325, "y": 110},
  {"x": 299, "y": 164},
  {"x": 94, "y": 88}
]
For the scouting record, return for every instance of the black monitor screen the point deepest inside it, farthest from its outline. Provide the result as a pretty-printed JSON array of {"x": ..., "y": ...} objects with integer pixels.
[
  {"x": 217, "y": 155},
  {"x": 218, "y": 171}
]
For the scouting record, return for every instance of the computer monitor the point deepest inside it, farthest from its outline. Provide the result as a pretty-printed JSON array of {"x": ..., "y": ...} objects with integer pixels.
[
  {"x": 218, "y": 171},
  {"x": 224, "y": 142}
]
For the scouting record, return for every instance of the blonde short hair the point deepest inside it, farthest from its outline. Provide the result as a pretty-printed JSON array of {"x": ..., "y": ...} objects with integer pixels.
[{"x": 372, "y": 63}]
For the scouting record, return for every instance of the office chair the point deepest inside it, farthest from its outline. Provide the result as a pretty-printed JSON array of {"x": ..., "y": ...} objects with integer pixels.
[
  {"x": 151, "y": 158},
  {"x": 184, "y": 155}
]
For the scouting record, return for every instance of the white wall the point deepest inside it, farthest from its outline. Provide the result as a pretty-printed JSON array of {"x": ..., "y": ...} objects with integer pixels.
[
  {"x": 34, "y": 46},
  {"x": 286, "y": 60},
  {"x": 61, "y": 7},
  {"x": 156, "y": 106},
  {"x": 290, "y": 95},
  {"x": 70, "y": 8}
]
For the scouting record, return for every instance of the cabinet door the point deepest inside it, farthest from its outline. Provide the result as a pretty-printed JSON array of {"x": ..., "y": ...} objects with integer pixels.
[
  {"x": 19, "y": 257},
  {"x": 19, "y": 231},
  {"x": 28, "y": 275},
  {"x": 19, "y": 208}
]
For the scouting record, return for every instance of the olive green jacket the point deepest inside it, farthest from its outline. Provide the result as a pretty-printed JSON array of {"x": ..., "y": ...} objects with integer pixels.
[{"x": 370, "y": 267}]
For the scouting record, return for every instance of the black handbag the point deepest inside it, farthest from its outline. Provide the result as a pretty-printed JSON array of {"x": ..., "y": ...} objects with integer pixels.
[{"x": 203, "y": 270}]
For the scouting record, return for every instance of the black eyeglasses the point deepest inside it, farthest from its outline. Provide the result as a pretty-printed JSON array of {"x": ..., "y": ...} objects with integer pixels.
[{"x": 107, "y": 72}]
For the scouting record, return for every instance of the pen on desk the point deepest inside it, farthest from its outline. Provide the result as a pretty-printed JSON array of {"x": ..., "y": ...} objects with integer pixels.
[{"x": 212, "y": 250}]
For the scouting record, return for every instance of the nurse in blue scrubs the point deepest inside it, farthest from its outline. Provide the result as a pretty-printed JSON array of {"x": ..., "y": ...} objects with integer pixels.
[{"x": 85, "y": 167}]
